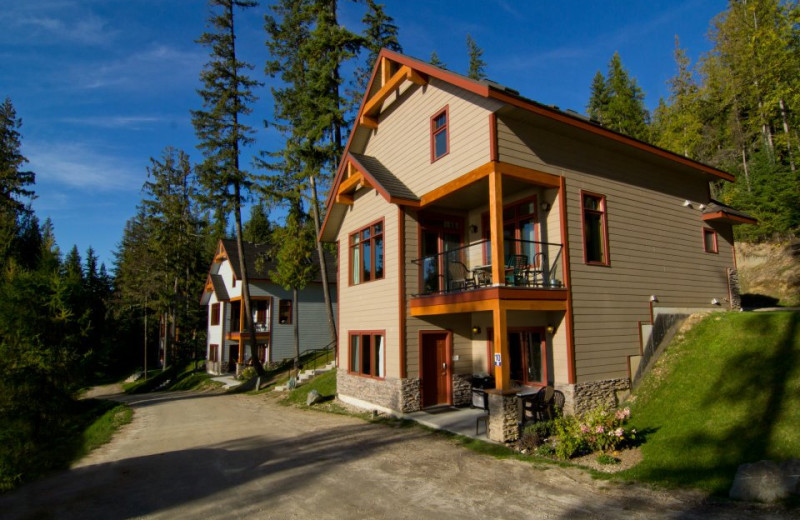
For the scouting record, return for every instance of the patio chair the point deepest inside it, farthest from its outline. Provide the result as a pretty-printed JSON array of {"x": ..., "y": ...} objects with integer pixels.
[
  {"x": 460, "y": 276},
  {"x": 534, "y": 276},
  {"x": 516, "y": 268}
]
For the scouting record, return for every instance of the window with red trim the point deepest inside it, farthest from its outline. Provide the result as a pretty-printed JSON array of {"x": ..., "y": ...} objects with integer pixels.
[
  {"x": 367, "y": 354},
  {"x": 213, "y": 353},
  {"x": 710, "y": 240},
  {"x": 440, "y": 134},
  {"x": 595, "y": 229},
  {"x": 214, "y": 318},
  {"x": 366, "y": 254},
  {"x": 285, "y": 312}
]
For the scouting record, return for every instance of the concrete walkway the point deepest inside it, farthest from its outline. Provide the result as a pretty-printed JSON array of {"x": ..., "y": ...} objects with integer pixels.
[
  {"x": 462, "y": 421},
  {"x": 228, "y": 381}
]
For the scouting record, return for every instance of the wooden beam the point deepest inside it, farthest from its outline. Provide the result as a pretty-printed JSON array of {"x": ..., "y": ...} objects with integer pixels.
[
  {"x": 373, "y": 106},
  {"x": 386, "y": 71},
  {"x": 350, "y": 183},
  {"x": 527, "y": 174},
  {"x": 456, "y": 184},
  {"x": 452, "y": 308},
  {"x": 502, "y": 373},
  {"x": 415, "y": 77},
  {"x": 344, "y": 198},
  {"x": 496, "y": 226},
  {"x": 534, "y": 305},
  {"x": 369, "y": 122}
]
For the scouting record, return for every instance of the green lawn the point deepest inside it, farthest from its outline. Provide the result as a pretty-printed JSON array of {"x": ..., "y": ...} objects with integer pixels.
[{"x": 725, "y": 394}]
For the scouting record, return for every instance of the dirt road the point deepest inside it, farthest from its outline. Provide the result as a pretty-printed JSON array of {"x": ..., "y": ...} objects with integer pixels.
[{"x": 199, "y": 456}]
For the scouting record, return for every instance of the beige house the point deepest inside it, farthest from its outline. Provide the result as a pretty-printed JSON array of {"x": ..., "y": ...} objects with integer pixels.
[{"x": 480, "y": 232}]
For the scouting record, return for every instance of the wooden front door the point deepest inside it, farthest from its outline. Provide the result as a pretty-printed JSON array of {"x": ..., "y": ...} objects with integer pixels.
[
  {"x": 435, "y": 369},
  {"x": 233, "y": 357}
]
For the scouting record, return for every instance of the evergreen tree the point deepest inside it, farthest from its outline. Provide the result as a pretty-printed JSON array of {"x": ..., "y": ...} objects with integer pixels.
[
  {"x": 227, "y": 96},
  {"x": 625, "y": 112},
  {"x": 598, "y": 99},
  {"x": 14, "y": 180},
  {"x": 258, "y": 229},
  {"x": 380, "y": 32},
  {"x": 477, "y": 67},
  {"x": 436, "y": 62}
]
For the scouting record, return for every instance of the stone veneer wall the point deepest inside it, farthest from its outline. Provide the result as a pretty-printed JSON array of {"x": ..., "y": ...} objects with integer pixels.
[
  {"x": 401, "y": 395},
  {"x": 503, "y": 417},
  {"x": 462, "y": 389},
  {"x": 590, "y": 395}
]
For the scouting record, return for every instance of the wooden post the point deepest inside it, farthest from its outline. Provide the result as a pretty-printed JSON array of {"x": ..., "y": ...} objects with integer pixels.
[
  {"x": 496, "y": 226},
  {"x": 502, "y": 373}
]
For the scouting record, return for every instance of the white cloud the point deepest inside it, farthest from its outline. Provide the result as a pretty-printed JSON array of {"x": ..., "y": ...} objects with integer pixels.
[
  {"x": 77, "y": 165},
  {"x": 42, "y": 22},
  {"x": 129, "y": 122}
]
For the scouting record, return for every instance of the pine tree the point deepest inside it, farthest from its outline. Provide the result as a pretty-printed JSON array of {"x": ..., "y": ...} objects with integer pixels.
[
  {"x": 258, "y": 228},
  {"x": 436, "y": 62},
  {"x": 598, "y": 99},
  {"x": 625, "y": 112},
  {"x": 477, "y": 67},
  {"x": 14, "y": 180},
  {"x": 227, "y": 95},
  {"x": 380, "y": 32}
]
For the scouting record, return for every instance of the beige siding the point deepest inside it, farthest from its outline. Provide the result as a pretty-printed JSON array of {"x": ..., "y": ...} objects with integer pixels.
[
  {"x": 655, "y": 243},
  {"x": 371, "y": 305},
  {"x": 402, "y": 141}
]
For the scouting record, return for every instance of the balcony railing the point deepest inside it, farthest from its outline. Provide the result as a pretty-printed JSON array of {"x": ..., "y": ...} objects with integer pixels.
[{"x": 528, "y": 264}]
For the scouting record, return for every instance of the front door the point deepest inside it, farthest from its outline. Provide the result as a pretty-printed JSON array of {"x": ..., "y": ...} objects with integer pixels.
[
  {"x": 233, "y": 357},
  {"x": 435, "y": 369}
]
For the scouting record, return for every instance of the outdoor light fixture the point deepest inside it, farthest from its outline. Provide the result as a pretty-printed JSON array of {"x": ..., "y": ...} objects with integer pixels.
[
  {"x": 550, "y": 329},
  {"x": 701, "y": 207},
  {"x": 473, "y": 228},
  {"x": 546, "y": 206},
  {"x": 687, "y": 204},
  {"x": 476, "y": 330},
  {"x": 714, "y": 301},
  {"x": 653, "y": 298}
]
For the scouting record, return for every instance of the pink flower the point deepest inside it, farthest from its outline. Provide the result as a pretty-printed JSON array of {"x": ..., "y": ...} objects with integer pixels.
[
  {"x": 584, "y": 428},
  {"x": 619, "y": 415},
  {"x": 599, "y": 428},
  {"x": 618, "y": 432}
]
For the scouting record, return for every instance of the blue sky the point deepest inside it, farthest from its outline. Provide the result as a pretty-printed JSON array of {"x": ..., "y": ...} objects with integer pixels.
[{"x": 104, "y": 85}]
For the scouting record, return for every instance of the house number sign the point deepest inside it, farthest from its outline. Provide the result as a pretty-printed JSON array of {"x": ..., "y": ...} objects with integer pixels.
[{"x": 497, "y": 362}]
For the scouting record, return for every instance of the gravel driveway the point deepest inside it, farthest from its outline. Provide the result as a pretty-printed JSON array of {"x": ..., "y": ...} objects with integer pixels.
[{"x": 201, "y": 455}]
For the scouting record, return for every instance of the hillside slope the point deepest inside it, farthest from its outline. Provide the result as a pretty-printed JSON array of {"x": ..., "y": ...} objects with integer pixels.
[
  {"x": 724, "y": 393},
  {"x": 771, "y": 270}
]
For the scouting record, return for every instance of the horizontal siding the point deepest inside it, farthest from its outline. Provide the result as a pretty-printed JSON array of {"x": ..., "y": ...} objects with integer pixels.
[
  {"x": 402, "y": 141},
  {"x": 371, "y": 305},
  {"x": 655, "y": 243},
  {"x": 314, "y": 329}
]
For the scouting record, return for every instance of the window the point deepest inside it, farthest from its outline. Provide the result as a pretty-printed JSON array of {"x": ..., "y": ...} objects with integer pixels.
[
  {"x": 236, "y": 316},
  {"x": 519, "y": 230},
  {"x": 367, "y": 354},
  {"x": 366, "y": 254},
  {"x": 285, "y": 312},
  {"x": 213, "y": 353},
  {"x": 527, "y": 355},
  {"x": 710, "y": 240},
  {"x": 595, "y": 229},
  {"x": 214, "y": 314},
  {"x": 261, "y": 315},
  {"x": 440, "y": 140},
  {"x": 439, "y": 234}
]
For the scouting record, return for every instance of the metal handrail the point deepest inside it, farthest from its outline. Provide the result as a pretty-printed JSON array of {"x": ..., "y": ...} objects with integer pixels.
[{"x": 316, "y": 354}]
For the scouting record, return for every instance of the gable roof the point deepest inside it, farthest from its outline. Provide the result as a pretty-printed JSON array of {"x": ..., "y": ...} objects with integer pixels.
[
  {"x": 260, "y": 262},
  {"x": 716, "y": 211},
  {"x": 381, "y": 85}
]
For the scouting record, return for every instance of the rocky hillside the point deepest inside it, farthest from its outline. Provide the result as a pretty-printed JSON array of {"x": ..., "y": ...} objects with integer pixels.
[{"x": 769, "y": 273}]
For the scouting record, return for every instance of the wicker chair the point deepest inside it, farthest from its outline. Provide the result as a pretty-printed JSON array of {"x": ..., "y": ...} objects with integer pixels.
[{"x": 460, "y": 276}]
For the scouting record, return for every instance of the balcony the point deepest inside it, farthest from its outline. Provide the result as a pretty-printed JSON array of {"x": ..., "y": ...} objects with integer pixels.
[
  {"x": 460, "y": 280},
  {"x": 529, "y": 265}
]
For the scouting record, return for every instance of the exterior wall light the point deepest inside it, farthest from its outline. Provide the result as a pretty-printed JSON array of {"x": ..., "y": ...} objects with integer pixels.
[
  {"x": 714, "y": 301},
  {"x": 550, "y": 329},
  {"x": 653, "y": 298},
  {"x": 687, "y": 203},
  {"x": 476, "y": 330}
]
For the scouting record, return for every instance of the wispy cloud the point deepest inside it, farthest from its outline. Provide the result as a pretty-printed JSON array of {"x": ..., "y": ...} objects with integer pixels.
[
  {"x": 158, "y": 65},
  {"x": 44, "y": 23},
  {"x": 128, "y": 122},
  {"x": 77, "y": 165}
]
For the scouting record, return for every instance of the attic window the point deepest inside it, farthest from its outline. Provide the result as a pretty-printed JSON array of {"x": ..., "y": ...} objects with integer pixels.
[{"x": 440, "y": 138}]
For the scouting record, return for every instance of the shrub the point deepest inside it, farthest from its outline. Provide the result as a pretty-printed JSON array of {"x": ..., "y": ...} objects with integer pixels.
[
  {"x": 534, "y": 435},
  {"x": 605, "y": 458},
  {"x": 598, "y": 430},
  {"x": 248, "y": 373},
  {"x": 546, "y": 450}
]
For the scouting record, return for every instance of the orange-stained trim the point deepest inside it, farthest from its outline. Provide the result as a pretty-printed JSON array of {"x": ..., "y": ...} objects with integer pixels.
[
  {"x": 604, "y": 132},
  {"x": 386, "y": 70},
  {"x": 344, "y": 198},
  {"x": 496, "y": 226},
  {"x": 568, "y": 316},
  {"x": 493, "y": 153},
  {"x": 491, "y": 293},
  {"x": 527, "y": 174},
  {"x": 371, "y": 334},
  {"x": 727, "y": 217},
  {"x": 401, "y": 276},
  {"x": 604, "y": 225},
  {"x": 715, "y": 248},
  {"x": 456, "y": 184},
  {"x": 339, "y": 266},
  {"x": 369, "y": 122},
  {"x": 373, "y": 106},
  {"x": 502, "y": 374},
  {"x": 351, "y": 182},
  {"x": 533, "y": 302}
]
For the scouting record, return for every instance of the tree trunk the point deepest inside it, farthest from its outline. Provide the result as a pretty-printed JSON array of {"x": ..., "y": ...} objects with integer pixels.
[
  {"x": 788, "y": 134},
  {"x": 746, "y": 171},
  {"x": 248, "y": 313},
  {"x": 296, "y": 329},
  {"x": 323, "y": 264}
]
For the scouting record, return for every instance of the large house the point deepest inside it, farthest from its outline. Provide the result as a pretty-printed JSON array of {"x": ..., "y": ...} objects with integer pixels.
[
  {"x": 228, "y": 347},
  {"x": 480, "y": 232}
]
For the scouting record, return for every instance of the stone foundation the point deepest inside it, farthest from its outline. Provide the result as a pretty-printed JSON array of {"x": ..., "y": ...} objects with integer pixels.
[
  {"x": 588, "y": 396},
  {"x": 503, "y": 416},
  {"x": 462, "y": 389},
  {"x": 734, "y": 290},
  {"x": 398, "y": 395}
]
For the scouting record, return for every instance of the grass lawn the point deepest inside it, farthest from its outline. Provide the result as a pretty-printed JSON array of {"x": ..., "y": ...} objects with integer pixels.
[
  {"x": 726, "y": 393},
  {"x": 325, "y": 384}
]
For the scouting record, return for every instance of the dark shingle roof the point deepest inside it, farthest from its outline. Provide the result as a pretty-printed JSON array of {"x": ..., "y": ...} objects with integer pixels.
[
  {"x": 219, "y": 287},
  {"x": 258, "y": 255},
  {"x": 715, "y": 206},
  {"x": 388, "y": 181}
]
